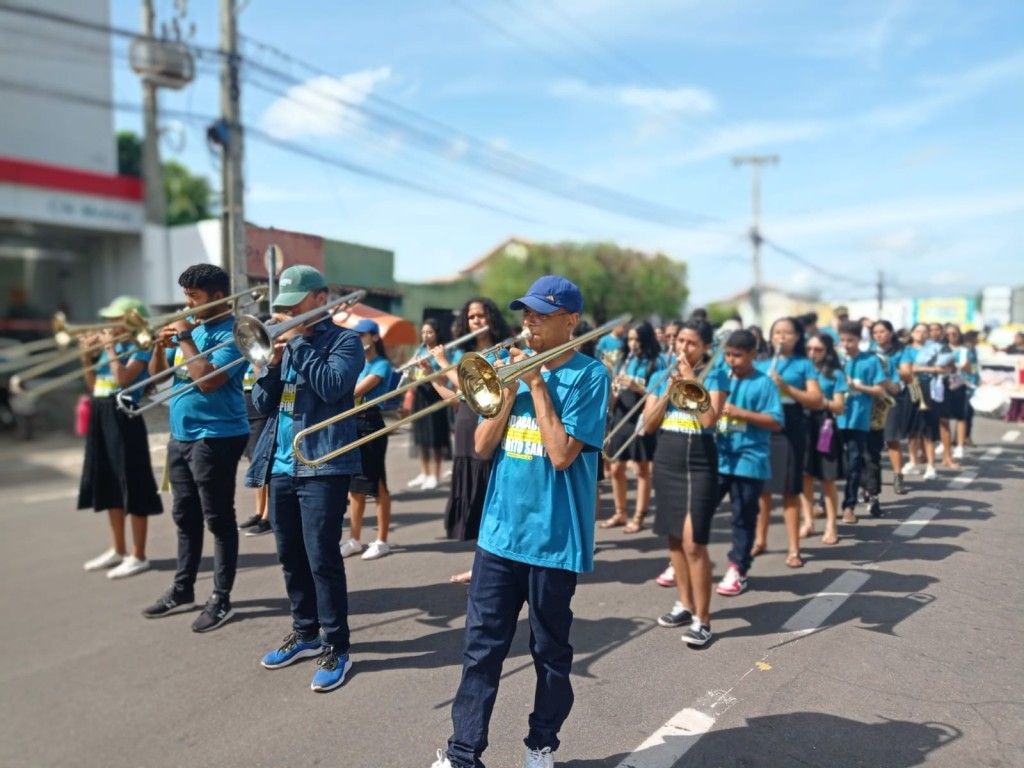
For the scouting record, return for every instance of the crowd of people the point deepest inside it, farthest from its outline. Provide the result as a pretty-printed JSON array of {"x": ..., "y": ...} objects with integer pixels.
[{"x": 801, "y": 415}]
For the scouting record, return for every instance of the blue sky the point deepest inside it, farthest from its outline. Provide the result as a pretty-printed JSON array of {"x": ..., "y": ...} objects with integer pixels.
[{"x": 898, "y": 125}]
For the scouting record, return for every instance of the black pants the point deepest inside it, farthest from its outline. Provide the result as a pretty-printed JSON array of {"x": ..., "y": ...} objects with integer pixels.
[
  {"x": 854, "y": 444},
  {"x": 873, "y": 461},
  {"x": 202, "y": 476}
]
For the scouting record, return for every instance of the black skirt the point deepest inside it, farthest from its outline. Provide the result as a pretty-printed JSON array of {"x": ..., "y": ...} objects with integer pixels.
[
  {"x": 922, "y": 423},
  {"x": 373, "y": 455},
  {"x": 642, "y": 448},
  {"x": 685, "y": 480},
  {"x": 117, "y": 473},
  {"x": 954, "y": 404},
  {"x": 823, "y": 466},
  {"x": 431, "y": 431},
  {"x": 896, "y": 421},
  {"x": 787, "y": 453}
]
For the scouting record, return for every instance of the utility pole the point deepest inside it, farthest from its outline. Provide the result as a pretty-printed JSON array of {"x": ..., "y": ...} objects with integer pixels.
[
  {"x": 152, "y": 171},
  {"x": 232, "y": 204},
  {"x": 880, "y": 291},
  {"x": 755, "y": 162}
]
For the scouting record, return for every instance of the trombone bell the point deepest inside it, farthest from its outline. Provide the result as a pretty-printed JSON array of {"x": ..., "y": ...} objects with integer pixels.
[
  {"x": 253, "y": 340},
  {"x": 480, "y": 384}
]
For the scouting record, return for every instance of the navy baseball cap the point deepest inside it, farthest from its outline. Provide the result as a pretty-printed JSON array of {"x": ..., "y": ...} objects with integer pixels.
[
  {"x": 366, "y": 326},
  {"x": 549, "y": 294}
]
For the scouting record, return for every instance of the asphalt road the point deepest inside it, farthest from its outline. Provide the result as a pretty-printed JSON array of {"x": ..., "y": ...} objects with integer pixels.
[{"x": 898, "y": 647}]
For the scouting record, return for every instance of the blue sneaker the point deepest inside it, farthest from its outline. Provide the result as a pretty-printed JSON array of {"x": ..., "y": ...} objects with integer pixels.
[
  {"x": 332, "y": 670},
  {"x": 292, "y": 649}
]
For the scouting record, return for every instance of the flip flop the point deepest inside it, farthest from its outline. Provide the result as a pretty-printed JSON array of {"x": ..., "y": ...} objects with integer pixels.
[
  {"x": 613, "y": 522},
  {"x": 794, "y": 561}
]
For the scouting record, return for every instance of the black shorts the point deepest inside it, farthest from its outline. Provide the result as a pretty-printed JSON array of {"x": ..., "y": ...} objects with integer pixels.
[
  {"x": 787, "y": 454},
  {"x": 373, "y": 454}
]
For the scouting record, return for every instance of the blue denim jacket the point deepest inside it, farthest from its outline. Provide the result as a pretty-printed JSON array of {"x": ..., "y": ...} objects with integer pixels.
[{"x": 327, "y": 364}]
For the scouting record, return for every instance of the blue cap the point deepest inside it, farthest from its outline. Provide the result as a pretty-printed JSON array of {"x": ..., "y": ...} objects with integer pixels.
[
  {"x": 551, "y": 293},
  {"x": 366, "y": 326}
]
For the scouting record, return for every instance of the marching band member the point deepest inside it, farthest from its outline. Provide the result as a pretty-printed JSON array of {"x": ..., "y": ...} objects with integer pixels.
[
  {"x": 797, "y": 381},
  {"x": 954, "y": 404},
  {"x": 470, "y": 470},
  {"x": 537, "y": 531},
  {"x": 751, "y": 415},
  {"x": 209, "y": 431},
  {"x": 864, "y": 377},
  {"x": 430, "y": 435},
  {"x": 686, "y": 480},
  {"x": 923, "y": 420},
  {"x": 969, "y": 369},
  {"x": 117, "y": 475},
  {"x": 892, "y": 355},
  {"x": 259, "y": 523},
  {"x": 643, "y": 362},
  {"x": 824, "y": 460},
  {"x": 609, "y": 346},
  {"x": 311, "y": 377},
  {"x": 374, "y": 380}
]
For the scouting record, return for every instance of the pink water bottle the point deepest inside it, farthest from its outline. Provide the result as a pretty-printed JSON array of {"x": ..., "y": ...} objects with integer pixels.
[{"x": 82, "y": 412}]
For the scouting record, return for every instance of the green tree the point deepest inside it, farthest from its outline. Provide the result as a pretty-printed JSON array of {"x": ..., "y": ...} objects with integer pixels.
[
  {"x": 613, "y": 280},
  {"x": 188, "y": 196}
]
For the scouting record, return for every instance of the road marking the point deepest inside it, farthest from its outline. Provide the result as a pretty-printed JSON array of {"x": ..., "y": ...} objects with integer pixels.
[
  {"x": 1010, "y": 436},
  {"x": 36, "y": 498},
  {"x": 913, "y": 524},
  {"x": 825, "y": 603},
  {"x": 963, "y": 479},
  {"x": 992, "y": 453}
]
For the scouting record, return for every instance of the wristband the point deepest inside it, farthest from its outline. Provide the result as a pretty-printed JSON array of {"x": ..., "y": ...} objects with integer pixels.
[{"x": 185, "y": 336}]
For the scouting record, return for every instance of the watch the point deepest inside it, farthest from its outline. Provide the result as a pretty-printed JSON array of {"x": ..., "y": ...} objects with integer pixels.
[{"x": 185, "y": 336}]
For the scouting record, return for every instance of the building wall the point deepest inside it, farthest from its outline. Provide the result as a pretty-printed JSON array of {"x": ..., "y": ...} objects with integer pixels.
[
  {"x": 44, "y": 54},
  {"x": 417, "y": 297}
]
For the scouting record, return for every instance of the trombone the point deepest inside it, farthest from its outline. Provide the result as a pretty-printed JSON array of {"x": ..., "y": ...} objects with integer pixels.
[
  {"x": 249, "y": 336},
  {"x": 453, "y": 344},
  {"x": 684, "y": 394},
  {"x": 144, "y": 338},
  {"x": 480, "y": 384}
]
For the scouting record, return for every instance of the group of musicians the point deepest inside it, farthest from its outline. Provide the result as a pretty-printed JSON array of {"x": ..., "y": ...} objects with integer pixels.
[{"x": 695, "y": 414}]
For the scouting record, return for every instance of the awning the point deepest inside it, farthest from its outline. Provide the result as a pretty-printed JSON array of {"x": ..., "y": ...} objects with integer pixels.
[{"x": 396, "y": 331}]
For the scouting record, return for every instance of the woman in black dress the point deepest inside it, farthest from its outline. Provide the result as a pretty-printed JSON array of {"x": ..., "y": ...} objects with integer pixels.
[
  {"x": 686, "y": 479},
  {"x": 470, "y": 471},
  {"x": 825, "y": 466}
]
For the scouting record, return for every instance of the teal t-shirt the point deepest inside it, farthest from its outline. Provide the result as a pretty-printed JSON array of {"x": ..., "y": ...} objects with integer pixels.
[
  {"x": 969, "y": 356},
  {"x": 105, "y": 384},
  {"x": 688, "y": 422},
  {"x": 642, "y": 371},
  {"x": 608, "y": 344},
  {"x": 532, "y": 513},
  {"x": 795, "y": 371},
  {"x": 284, "y": 456},
  {"x": 830, "y": 385},
  {"x": 379, "y": 366},
  {"x": 868, "y": 369},
  {"x": 743, "y": 449},
  {"x": 221, "y": 413}
]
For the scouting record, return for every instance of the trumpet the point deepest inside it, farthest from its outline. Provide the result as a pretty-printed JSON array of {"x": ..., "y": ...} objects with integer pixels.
[
  {"x": 480, "y": 384},
  {"x": 916, "y": 394}
]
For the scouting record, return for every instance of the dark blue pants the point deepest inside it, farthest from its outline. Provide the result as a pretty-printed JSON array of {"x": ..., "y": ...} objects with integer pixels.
[
  {"x": 855, "y": 445},
  {"x": 202, "y": 475},
  {"x": 306, "y": 514},
  {"x": 497, "y": 591},
  {"x": 744, "y": 493}
]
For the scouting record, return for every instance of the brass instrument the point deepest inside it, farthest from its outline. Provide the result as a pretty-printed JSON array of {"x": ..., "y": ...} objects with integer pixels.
[
  {"x": 65, "y": 334},
  {"x": 451, "y": 345},
  {"x": 480, "y": 384},
  {"x": 880, "y": 406},
  {"x": 916, "y": 395}
]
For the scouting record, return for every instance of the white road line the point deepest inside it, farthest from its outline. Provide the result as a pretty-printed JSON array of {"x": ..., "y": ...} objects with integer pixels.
[
  {"x": 992, "y": 453},
  {"x": 675, "y": 738},
  {"x": 913, "y": 524},
  {"x": 1011, "y": 435},
  {"x": 963, "y": 479},
  {"x": 37, "y": 498},
  {"x": 825, "y": 603}
]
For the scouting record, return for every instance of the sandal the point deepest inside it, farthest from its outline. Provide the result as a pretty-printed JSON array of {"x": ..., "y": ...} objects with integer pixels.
[
  {"x": 758, "y": 549},
  {"x": 806, "y": 530},
  {"x": 794, "y": 561},
  {"x": 849, "y": 516},
  {"x": 635, "y": 524},
  {"x": 460, "y": 578},
  {"x": 830, "y": 537},
  {"x": 613, "y": 522}
]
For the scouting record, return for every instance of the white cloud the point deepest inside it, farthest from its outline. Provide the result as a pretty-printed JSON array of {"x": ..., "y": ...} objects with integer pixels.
[
  {"x": 323, "y": 105},
  {"x": 765, "y": 134},
  {"x": 687, "y": 100}
]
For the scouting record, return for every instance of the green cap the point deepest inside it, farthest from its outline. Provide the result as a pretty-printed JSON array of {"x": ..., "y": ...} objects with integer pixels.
[
  {"x": 295, "y": 283},
  {"x": 122, "y": 305}
]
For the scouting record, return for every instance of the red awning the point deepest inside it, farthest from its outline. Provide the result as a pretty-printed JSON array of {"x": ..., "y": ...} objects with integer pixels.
[{"x": 394, "y": 330}]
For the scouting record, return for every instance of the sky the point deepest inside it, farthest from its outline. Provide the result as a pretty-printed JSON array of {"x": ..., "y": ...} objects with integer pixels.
[{"x": 897, "y": 125}]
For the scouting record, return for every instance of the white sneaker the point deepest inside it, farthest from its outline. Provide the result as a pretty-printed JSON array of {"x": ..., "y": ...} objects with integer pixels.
[
  {"x": 429, "y": 484},
  {"x": 940, "y": 449},
  {"x": 108, "y": 559},
  {"x": 538, "y": 758},
  {"x": 910, "y": 468},
  {"x": 958, "y": 452},
  {"x": 351, "y": 547},
  {"x": 130, "y": 566},
  {"x": 417, "y": 481},
  {"x": 447, "y": 474},
  {"x": 930, "y": 473},
  {"x": 376, "y": 549},
  {"x": 442, "y": 760}
]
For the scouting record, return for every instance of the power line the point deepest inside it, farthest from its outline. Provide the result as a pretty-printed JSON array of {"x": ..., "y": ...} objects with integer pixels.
[{"x": 806, "y": 262}]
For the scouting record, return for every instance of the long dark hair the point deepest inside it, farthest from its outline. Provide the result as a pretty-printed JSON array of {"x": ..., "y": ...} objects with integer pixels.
[
  {"x": 704, "y": 332},
  {"x": 830, "y": 362},
  {"x": 800, "y": 347},
  {"x": 496, "y": 322},
  {"x": 649, "y": 347},
  {"x": 440, "y": 329},
  {"x": 894, "y": 342}
]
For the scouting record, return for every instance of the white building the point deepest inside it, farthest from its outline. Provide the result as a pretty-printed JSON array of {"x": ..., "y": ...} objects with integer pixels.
[{"x": 70, "y": 226}]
